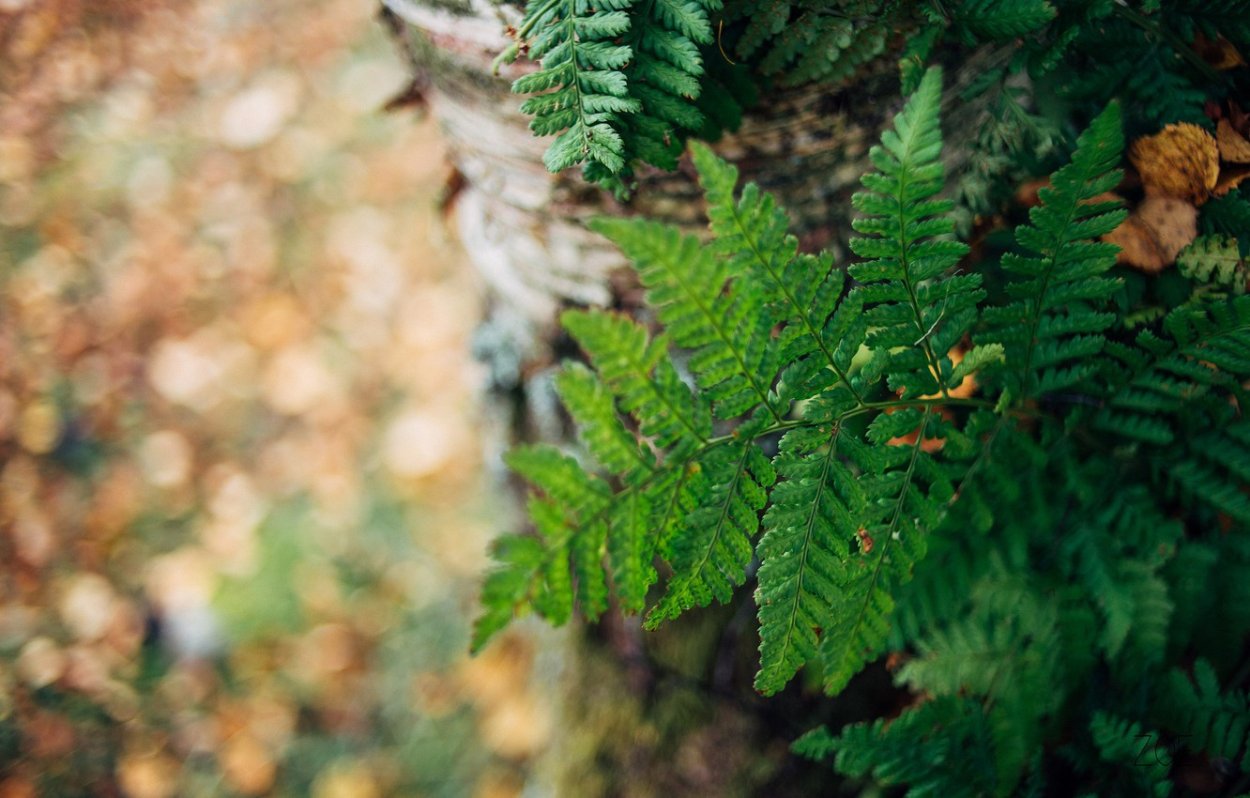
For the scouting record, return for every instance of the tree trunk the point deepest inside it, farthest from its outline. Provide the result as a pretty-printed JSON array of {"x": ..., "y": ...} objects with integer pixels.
[{"x": 667, "y": 713}]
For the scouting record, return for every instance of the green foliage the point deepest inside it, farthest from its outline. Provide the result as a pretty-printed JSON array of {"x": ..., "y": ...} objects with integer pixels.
[
  {"x": 990, "y": 20},
  {"x": 626, "y": 81},
  {"x": 940, "y": 747},
  {"x": 1052, "y": 328},
  {"x": 1205, "y": 717},
  {"x": 583, "y": 88},
  {"x": 974, "y": 464},
  {"x": 1216, "y": 260},
  {"x": 616, "y": 80},
  {"x": 800, "y": 41}
]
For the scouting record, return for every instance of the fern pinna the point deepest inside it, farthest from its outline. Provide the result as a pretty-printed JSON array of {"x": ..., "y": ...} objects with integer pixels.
[{"x": 978, "y": 469}]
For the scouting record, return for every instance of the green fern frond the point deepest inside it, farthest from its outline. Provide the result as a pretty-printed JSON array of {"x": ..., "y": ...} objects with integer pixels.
[
  {"x": 536, "y": 572},
  {"x": 732, "y": 358},
  {"x": 1132, "y": 752},
  {"x": 1005, "y": 651},
  {"x": 940, "y": 747},
  {"x": 641, "y": 375},
  {"x": 1215, "y": 468},
  {"x": 1152, "y": 384},
  {"x": 616, "y": 82},
  {"x": 917, "y": 311},
  {"x": 808, "y": 528},
  {"x": 1206, "y": 718},
  {"x": 817, "y": 47},
  {"x": 711, "y": 555},
  {"x": 990, "y": 20},
  {"x": 1215, "y": 260},
  {"x": 1228, "y": 215},
  {"x": 584, "y": 93},
  {"x": 665, "y": 76},
  {"x": 820, "y": 335},
  {"x": 599, "y": 425},
  {"x": 1053, "y": 327}
]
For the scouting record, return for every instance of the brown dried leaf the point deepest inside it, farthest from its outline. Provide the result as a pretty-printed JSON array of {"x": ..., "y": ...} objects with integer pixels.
[
  {"x": 1154, "y": 234},
  {"x": 1234, "y": 147},
  {"x": 1239, "y": 119},
  {"x": 1230, "y": 179},
  {"x": 1181, "y": 161},
  {"x": 1220, "y": 53}
]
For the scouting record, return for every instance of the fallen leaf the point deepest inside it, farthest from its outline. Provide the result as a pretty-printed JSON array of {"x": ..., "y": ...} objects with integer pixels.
[
  {"x": 1155, "y": 233},
  {"x": 1230, "y": 179},
  {"x": 1239, "y": 119},
  {"x": 1234, "y": 147},
  {"x": 1219, "y": 53},
  {"x": 1181, "y": 161}
]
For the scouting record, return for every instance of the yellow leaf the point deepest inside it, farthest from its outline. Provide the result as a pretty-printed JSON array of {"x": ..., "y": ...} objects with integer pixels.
[{"x": 1181, "y": 161}]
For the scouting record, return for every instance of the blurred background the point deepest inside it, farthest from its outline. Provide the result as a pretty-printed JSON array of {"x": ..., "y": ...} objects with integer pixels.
[{"x": 242, "y": 510}]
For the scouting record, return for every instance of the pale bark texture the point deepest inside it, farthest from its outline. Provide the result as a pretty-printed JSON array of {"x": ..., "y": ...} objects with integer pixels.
[{"x": 669, "y": 713}]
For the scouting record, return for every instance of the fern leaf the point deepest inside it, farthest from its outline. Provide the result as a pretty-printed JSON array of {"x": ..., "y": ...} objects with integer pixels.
[
  {"x": 665, "y": 77},
  {"x": 710, "y": 556},
  {"x": 519, "y": 564},
  {"x": 907, "y": 493},
  {"x": 1000, "y": 19},
  {"x": 640, "y": 374},
  {"x": 585, "y": 93},
  {"x": 811, "y": 520},
  {"x": 800, "y": 292},
  {"x": 939, "y": 747},
  {"x": 1153, "y": 385},
  {"x": 599, "y": 426},
  {"x": 816, "y": 45},
  {"x": 1215, "y": 260},
  {"x": 1209, "y": 720},
  {"x": 1215, "y": 469},
  {"x": 917, "y": 311},
  {"x": 1229, "y": 215},
  {"x": 1053, "y": 328},
  {"x": 1119, "y": 743},
  {"x": 733, "y": 360}
]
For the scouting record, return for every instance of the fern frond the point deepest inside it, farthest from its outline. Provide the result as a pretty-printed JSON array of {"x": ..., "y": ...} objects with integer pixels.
[
  {"x": 819, "y": 47},
  {"x": 732, "y": 357},
  {"x": 599, "y": 425},
  {"x": 1208, "y": 719},
  {"x": 917, "y": 311},
  {"x": 1053, "y": 327},
  {"x": 584, "y": 92},
  {"x": 991, "y": 20},
  {"x": 665, "y": 77},
  {"x": 641, "y": 375},
  {"x": 1229, "y": 215},
  {"x": 1006, "y": 651},
  {"x": 1215, "y": 469},
  {"x": 1215, "y": 260},
  {"x": 940, "y": 747},
  {"x": 1123, "y": 745},
  {"x": 808, "y": 528},
  {"x": 800, "y": 291},
  {"x": 907, "y": 495},
  {"x": 536, "y": 572},
  {"x": 711, "y": 556},
  {"x": 1152, "y": 385}
]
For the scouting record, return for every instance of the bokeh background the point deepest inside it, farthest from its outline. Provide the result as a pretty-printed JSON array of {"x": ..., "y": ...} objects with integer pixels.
[{"x": 242, "y": 502}]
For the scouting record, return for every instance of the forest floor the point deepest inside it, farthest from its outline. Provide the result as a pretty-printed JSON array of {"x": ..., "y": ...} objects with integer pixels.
[{"x": 242, "y": 510}]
